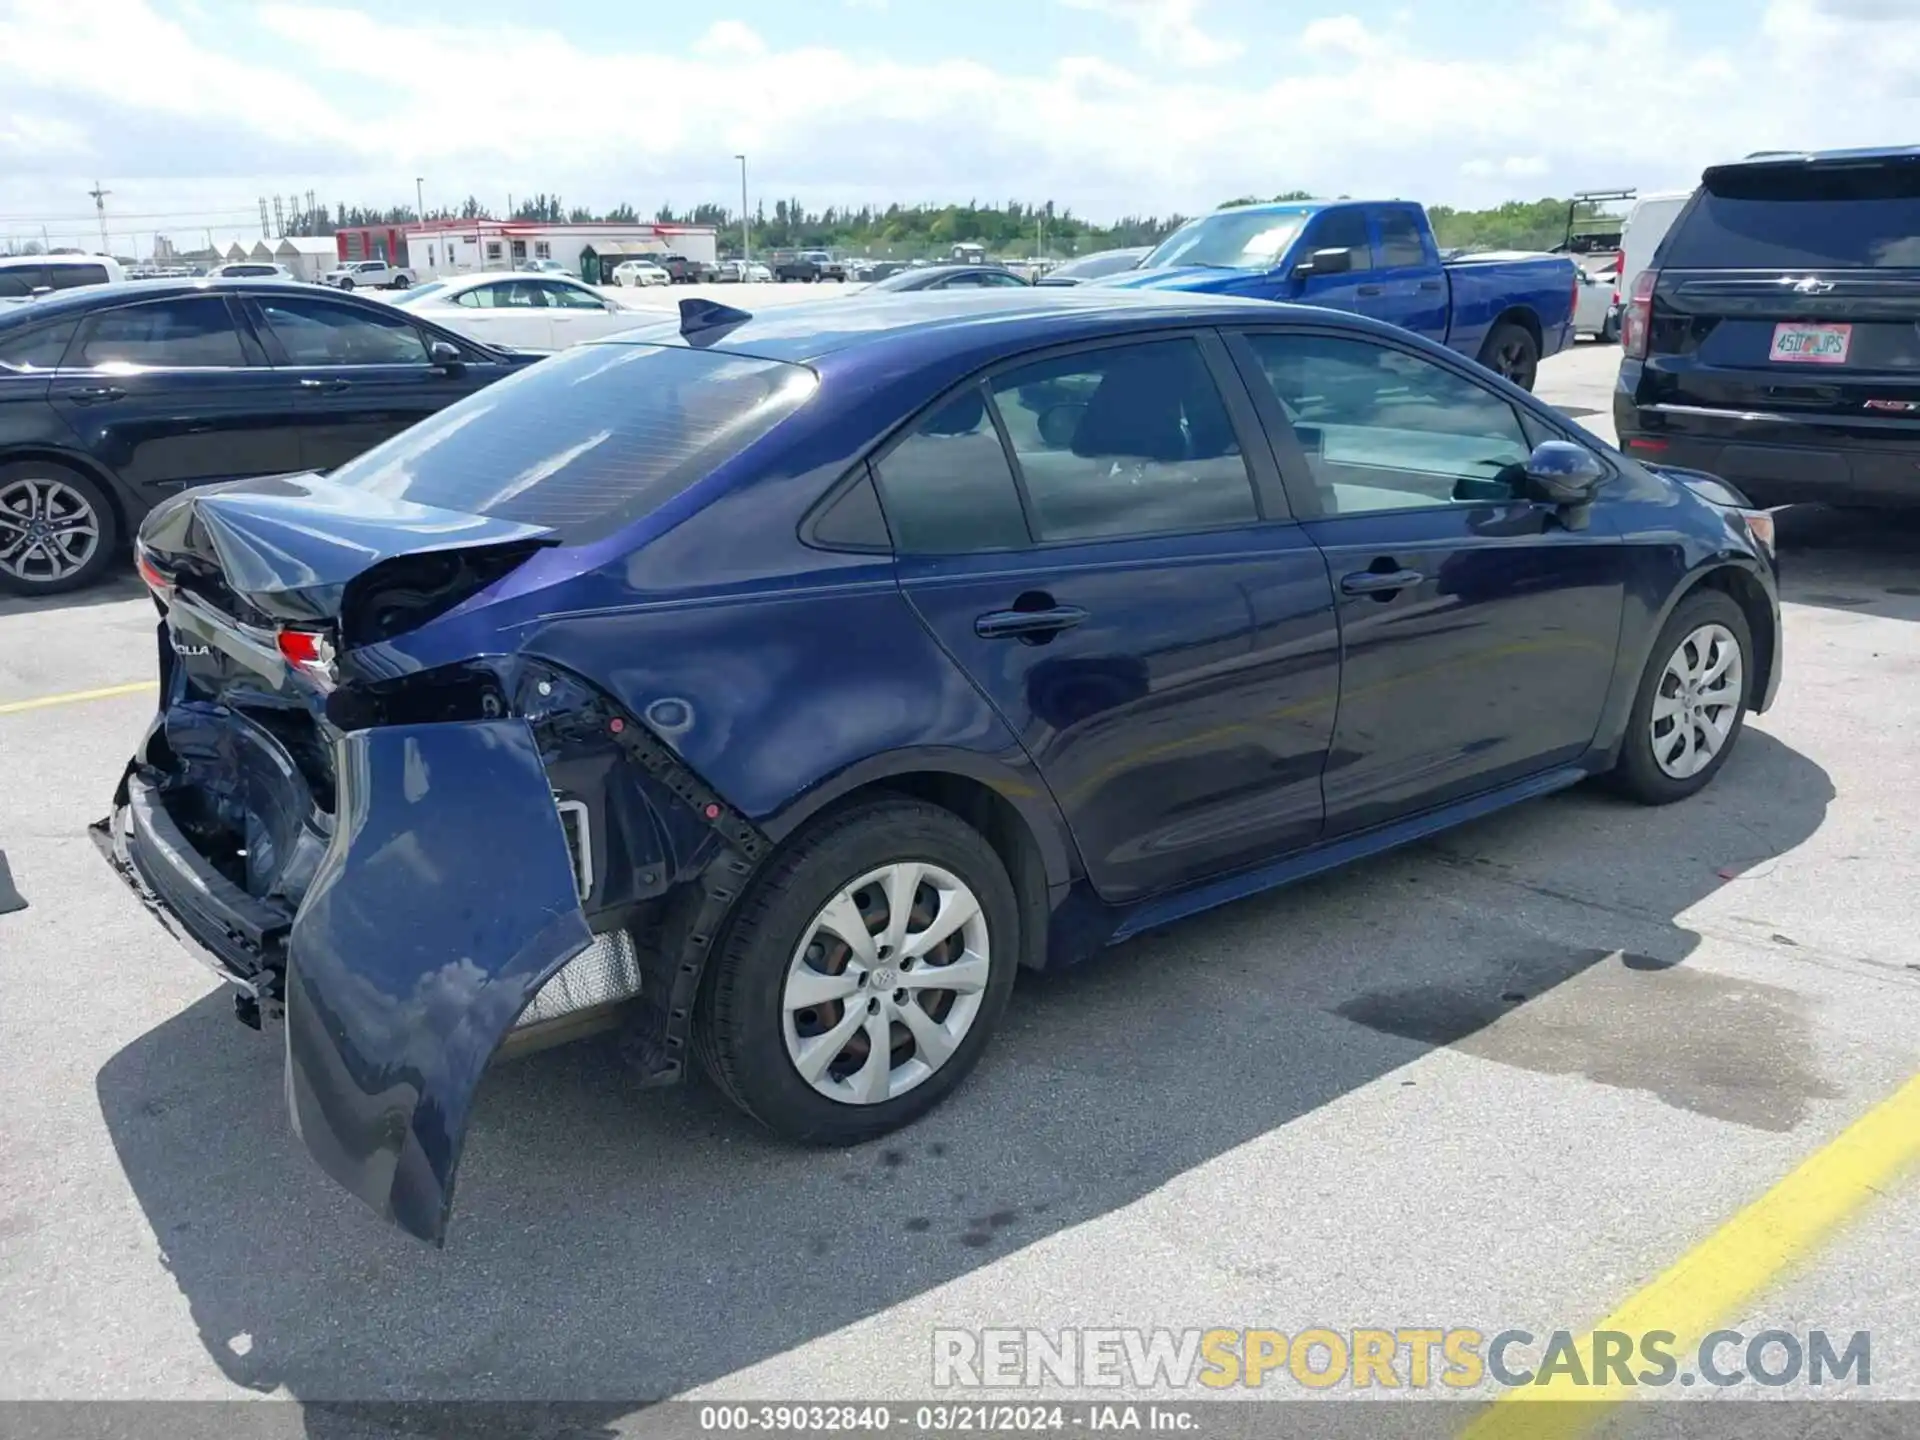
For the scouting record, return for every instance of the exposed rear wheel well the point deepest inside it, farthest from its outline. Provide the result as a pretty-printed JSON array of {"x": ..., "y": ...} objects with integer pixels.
[
  {"x": 1005, "y": 830},
  {"x": 1747, "y": 593}
]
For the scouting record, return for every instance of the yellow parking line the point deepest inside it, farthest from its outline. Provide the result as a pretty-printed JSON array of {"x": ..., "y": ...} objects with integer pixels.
[
  {"x": 1710, "y": 1284},
  {"x": 73, "y": 697}
]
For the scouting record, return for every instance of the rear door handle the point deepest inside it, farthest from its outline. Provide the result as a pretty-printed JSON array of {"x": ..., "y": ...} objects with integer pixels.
[
  {"x": 97, "y": 394},
  {"x": 328, "y": 386},
  {"x": 1371, "y": 289},
  {"x": 1376, "y": 582},
  {"x": 1014, "y": 624}
]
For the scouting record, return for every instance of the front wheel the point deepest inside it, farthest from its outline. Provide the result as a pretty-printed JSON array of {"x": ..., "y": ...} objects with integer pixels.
[
  {"x": 1511, "y": 352},
  {"x": 346, "y": 284},
  {"x": 1692, "y": 701},
  {"x": 862, "y": 975}
]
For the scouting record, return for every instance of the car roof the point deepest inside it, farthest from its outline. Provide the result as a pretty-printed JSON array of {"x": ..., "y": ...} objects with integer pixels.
[
  {"x": 1780, "y": 159},
  {"x": 93, "y": 297},
  {"x": 12, "y": 260},
  {"x": 901, "y": 327}
]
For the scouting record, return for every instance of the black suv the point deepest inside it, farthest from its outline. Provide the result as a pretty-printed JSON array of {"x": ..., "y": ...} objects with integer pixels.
[{"x": 1775, "y": 339}]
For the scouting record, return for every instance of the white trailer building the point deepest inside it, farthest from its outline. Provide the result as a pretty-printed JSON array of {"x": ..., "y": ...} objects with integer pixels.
[{"x": 459, "y": 247}]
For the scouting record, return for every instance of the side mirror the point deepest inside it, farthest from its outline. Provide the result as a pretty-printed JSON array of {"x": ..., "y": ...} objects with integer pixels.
[
  {"x": 1336, "y": 261},
  {"x": 1563, "y": 473},
  {"x": 445, "y": 355}
]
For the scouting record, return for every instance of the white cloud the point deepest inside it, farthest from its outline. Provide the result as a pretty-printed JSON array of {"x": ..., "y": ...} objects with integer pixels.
[
  {"x": 178, "y": 111},
  {"x": 1166, "y": 29}
]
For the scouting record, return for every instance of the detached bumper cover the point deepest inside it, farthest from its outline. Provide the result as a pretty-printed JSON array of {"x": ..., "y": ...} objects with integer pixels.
[{"x": 446, "y": 899}]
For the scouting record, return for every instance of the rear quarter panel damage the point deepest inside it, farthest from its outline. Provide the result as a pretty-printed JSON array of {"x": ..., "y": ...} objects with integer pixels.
[{"x": 445, "y": 901}]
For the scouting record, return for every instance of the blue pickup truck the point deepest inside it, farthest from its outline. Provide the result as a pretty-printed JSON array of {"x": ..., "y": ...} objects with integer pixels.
[{"x": 1377, "y": 258}]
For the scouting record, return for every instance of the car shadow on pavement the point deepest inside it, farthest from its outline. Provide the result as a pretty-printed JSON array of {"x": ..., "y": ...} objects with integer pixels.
[
  {"x": 1865, "y": 561},
  {"x": 121, "y": 585},
  {"x": 611, "y": 1246}
]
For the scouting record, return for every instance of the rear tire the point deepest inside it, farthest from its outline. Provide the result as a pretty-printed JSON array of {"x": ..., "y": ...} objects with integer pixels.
[
  {"x": 1511, "y": 352},
  {"x": 58, "y": 496},
  {"x": 399, "y": 282},
  {"x": 1695, "y": 636},
  {"x": 779, "y": 949}
]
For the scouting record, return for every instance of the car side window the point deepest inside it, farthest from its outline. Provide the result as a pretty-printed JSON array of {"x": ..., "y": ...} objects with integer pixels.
[
  {"x": 191, "y": 333},
  {"x": 503, "y": 295},
  {"x": 948, "y": 489},
  {"x": 73, "y": 277},
  {"x": 1384, "y": 429},
  {"x": 37, "y": 349},
  {"x": 1125, "y": 440},
  {"x": 994, "y": 277},
  {"x": 1400, "y": 242},
  {"x": 570, "y": 297},
  {"x": 1340, "y": 230},
  {"x": 315, "y": 332}
]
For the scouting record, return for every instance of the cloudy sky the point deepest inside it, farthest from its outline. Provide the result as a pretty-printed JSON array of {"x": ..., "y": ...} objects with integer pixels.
[{"x": 189, "y": 110}]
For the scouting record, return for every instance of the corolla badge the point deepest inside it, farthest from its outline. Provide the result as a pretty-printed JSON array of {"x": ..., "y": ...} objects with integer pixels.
[{"x": 183, "y": 647}]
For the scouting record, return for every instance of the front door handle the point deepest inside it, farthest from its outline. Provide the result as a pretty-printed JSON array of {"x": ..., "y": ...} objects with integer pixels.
[
  {"x": 1022, "y": 624},
  {"x": 1371, "y": 289},
  {"x": 329, "y": 387},
  {"x": 97, "y": 394},
  {"x": 1429, "y": 284},
  {"x": 1379, "y": 582}
]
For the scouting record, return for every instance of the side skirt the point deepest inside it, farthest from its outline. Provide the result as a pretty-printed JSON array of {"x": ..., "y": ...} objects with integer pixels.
[{"x": 1163, "y": 910}]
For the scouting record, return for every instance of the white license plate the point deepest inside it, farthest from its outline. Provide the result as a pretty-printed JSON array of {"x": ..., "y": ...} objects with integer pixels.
[{"x": 1811, "y": 344}]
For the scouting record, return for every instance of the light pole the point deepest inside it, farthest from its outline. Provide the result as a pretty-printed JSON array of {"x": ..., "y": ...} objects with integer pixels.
[
  {"x": 746, "y": 250},
  {"x": 420, "y": 198}
]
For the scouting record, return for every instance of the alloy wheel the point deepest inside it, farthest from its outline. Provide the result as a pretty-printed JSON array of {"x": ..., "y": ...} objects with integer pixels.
[
  {"x": 48, "y": 530},
  {"x": 1697, "y": 701},
  {"x": 885, "y": 983}
]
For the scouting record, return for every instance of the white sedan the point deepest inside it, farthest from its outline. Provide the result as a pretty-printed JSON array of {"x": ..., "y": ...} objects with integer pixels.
[
  {"x": 524, "y": 311},
  {"x": 640, "y": 272}
]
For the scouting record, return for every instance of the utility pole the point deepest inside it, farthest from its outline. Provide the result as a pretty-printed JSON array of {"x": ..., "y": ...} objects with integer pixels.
[
  {"x": 420, "y": 196},
  {"x": 100, "y": 204},
  {"x": 746, "y": 249},
  {"x": 263, "y": 217}
]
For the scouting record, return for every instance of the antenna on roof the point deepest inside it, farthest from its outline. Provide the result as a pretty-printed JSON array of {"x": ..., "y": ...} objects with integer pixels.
[{"x": 699, "y": 315}]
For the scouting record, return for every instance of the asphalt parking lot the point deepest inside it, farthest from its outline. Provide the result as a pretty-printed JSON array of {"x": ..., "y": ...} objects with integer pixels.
[{"x": 1503, "y": 1079}]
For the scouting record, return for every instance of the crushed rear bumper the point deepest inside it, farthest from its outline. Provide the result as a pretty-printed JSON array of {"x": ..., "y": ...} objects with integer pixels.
[{"x": 445, "y": 901}]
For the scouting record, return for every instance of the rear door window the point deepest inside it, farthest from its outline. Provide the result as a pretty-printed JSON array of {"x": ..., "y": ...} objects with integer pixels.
[
  {"x": 191, "y": 333},
  {"x": 40, "y": 348},
  {"x": 587, "y": 440},
  {"x": 1400, "y": 243},
  {"x": 948, "y": 489},
  {"x": 322, "y": 332},
  {"x": 1800, "y": 218},
  {"x": 1125, "y": 440}
]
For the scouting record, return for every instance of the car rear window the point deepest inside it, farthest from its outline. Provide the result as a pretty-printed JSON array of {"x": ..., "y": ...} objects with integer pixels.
[
  {"x": 1800, "y": 217},
  {"x": 587, "y": 440}
]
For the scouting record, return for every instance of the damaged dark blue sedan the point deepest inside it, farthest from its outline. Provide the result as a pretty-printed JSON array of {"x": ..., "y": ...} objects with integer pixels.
[{"x": 774, "y": 687}]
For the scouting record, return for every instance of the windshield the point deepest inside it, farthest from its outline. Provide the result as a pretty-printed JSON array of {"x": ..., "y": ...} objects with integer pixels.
[
  {"x": 1230, "y": 240},
  {"x": 587, "y": 440},
  {"x": 1796, "y": 217}
]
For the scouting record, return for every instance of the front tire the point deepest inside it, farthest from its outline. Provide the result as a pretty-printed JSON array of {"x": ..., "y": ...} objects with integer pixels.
[
  {"x": 346, "y": 284},
  {"x": 58, "y": 529},
  {"x": 823, "y": 1015},
  {"x": 1692, "y": 701},
  {"x": 1511, "y": 352}
]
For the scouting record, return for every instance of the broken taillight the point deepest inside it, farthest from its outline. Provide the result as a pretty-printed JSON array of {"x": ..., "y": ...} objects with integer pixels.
[
  {"x": 155, "y": 578},
  {"x": 308, "y": 651}
]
